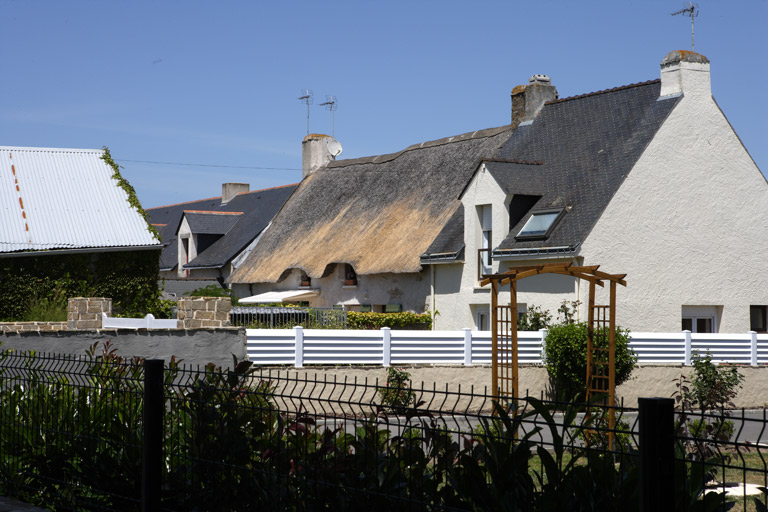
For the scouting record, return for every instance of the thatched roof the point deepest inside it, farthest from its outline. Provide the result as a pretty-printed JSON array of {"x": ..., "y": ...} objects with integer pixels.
[{"x": 378, "y": 214}]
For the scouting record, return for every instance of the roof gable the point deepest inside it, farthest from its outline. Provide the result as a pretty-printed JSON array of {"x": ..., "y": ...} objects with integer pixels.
[
  {"x": 55, "y": 199},
  {"x": 256, "y": 210},
  {"x": 586, "y": 146}
]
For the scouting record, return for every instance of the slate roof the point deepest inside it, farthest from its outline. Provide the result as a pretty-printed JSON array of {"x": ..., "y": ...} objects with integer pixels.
[
  {"x": 577, "y": 153},
  {"x": 257, "y": 207},
  {"x": 449, "y": 244},
  {"x": 378, "y": 214},
  {"x": 65, "y": 199},
  {"x": 211, "y": 222}
]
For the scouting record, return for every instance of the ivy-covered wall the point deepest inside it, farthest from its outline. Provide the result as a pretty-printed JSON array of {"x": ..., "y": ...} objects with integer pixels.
[{"x": 129, "y": 278}]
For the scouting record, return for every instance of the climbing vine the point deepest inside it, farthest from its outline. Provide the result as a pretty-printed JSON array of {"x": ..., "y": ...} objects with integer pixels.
[
  {"x": 128, "y": 278},
  {"x": 133, "y": 200}
]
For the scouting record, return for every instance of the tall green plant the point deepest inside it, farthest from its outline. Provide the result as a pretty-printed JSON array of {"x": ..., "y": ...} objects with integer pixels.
[{"x": 565, "y": 355}]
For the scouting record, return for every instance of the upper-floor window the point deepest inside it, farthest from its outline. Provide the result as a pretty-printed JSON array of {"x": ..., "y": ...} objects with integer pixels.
[
  {"x": 540, "y": 224},
  {"x": 486, "y": 240}
]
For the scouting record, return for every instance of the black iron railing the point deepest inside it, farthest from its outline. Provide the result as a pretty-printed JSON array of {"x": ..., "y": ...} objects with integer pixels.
[{"x": 103, "y": 433}]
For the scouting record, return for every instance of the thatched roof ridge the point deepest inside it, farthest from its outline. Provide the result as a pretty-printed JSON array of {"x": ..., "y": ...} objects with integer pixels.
[{"x": 378, "y": 214}]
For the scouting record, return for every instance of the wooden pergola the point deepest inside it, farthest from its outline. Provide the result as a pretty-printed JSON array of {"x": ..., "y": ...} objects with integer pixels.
[{"x": 601, "y": 340}]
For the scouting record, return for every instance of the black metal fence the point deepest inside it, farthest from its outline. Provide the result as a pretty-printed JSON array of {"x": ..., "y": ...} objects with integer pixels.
[
  {"x": 268, "y": 317},
  {"x": 102, "y": 433}
]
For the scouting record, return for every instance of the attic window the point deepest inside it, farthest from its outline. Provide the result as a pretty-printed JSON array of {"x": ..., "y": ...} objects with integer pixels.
[
  {"x": 540, "y": 224},
  {"x": 350, "y": 276}
]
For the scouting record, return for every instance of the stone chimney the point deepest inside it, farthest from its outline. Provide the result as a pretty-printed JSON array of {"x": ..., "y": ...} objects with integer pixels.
[
  {"x": 230, "y": 190},
  {"x": 527, "y": 100},
  {"x": 316, "y": 151},
  {"x": 685, "y": 72}
]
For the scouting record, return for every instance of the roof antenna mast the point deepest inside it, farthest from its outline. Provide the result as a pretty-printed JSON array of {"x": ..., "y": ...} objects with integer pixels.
[
  {"x": 692, "y": 10},
  {"x": 331, "y": 104},
  {"x": 306, "y": 97}
]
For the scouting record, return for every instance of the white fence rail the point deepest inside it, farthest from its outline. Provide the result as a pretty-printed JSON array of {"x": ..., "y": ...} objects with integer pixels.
[
  {"x": 386, "y": 347},
  {"x": 148, "y": 322}
]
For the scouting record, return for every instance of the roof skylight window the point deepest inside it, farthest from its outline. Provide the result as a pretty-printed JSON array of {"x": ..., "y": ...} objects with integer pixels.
[{"x": 540, "y": 224}]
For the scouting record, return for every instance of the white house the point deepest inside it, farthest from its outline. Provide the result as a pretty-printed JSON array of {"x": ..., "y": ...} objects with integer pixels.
[{"x": 646, "y": 179}]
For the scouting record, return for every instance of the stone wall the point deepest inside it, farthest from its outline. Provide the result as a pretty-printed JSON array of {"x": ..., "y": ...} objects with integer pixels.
[
  {"x": 33, "y": 326},
  {"x": 85, "y": 312},
  {"x": 197, "y": 312}
]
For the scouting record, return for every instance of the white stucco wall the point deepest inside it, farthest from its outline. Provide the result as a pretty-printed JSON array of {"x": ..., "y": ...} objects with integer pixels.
[
  {"x": 689, "y": 226},
  {"x": 411, "y": 290}
]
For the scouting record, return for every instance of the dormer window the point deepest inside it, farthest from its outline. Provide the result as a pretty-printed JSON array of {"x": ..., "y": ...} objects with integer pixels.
[
  {"x": 540, "y": 224},
  {"x": 305, "y": 280}
]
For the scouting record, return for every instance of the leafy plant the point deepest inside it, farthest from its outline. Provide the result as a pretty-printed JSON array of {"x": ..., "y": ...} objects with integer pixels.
[
  {"x": 372, "y": 320},
  {"x": 535, "y": 318},
  {"x": 213, "y": 291},
  {"x": 397, "y": 395},
  {"x": 565, "y": 354}
]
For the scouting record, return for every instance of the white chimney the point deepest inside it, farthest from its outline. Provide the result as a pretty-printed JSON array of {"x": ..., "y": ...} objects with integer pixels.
[
  {"x": 230, "y": 190},
  {"x": 316, "y": 151},
  {"x": 685, "y": 72}
]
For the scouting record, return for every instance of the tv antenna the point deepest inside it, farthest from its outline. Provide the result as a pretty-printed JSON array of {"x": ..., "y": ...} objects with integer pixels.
[
  {"x": 306, "y": 97},
  {"x": 692, "y": 10},
  {"x": 331, "y": 104}
]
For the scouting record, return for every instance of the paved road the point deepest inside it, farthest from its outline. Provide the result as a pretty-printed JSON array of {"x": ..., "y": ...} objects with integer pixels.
[{"x": 11, "y": 505}]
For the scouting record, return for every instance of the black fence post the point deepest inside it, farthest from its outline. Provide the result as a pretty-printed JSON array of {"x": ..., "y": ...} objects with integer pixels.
[
  {"x": 152, "y": 441},
  {"x": 657, "y": 454}
]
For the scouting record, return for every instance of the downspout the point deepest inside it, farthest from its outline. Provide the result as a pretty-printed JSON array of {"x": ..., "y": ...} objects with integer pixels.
[{"x": 432, "y": 293}]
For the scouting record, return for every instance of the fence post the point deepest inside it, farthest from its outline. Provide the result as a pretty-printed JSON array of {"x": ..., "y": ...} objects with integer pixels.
[
  {"x": 298, "y": 333},
  {"x": 152, "y": 440},
  {"x": 467, "y": 346},
  {"x": 386, "y": 352},
  {"x": 543, "y": 333},
  {"x": 148, "y": 320},
  {"x": 657, "y": 454},
  {"x": 753, "y": 348},
  {"x": 687, "y": 335}
]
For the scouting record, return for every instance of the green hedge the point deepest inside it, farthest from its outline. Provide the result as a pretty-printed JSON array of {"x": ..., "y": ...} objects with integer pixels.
[
  {"x": 128, "y": 278},
  {"x": 371, "y": 320}
]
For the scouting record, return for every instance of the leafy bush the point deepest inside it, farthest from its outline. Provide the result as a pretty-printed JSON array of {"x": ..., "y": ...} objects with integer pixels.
[
  {"x": 372, "y": 320},
  {"x": 213, "y": 291},
  {"x": 535, "y": 318},
  {"x": 712, "y": 389},
  {"x": 565, "y": 355},
  {"x": 128, "y": 278},
  {"x": 397, "y": 394}
]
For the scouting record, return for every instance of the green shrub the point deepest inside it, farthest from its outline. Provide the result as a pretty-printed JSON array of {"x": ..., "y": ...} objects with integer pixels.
[
  {"x": 372, "y": 320},
  {"x": 535, "y": 318},
  {"x": 397, "y": 394},
  {"x": 565, "y": 355},
  {"x": 213, "y": 291},
  {"x": 128, "y": 278}
]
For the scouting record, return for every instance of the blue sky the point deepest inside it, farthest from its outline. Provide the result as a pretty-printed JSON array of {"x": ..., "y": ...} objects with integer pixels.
[{"x": 216, "y": 83}]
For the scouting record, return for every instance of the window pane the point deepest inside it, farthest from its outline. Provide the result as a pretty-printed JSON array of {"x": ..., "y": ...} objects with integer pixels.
[
  {"x": 703, "y": 325},
  {"x": 538, "y": 224},
  {"x": 757, "y": 318},
  {"x": 688, "y": 324}
]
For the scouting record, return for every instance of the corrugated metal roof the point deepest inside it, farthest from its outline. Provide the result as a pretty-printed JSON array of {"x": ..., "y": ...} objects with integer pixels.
[{"x": 54, "y": 198}]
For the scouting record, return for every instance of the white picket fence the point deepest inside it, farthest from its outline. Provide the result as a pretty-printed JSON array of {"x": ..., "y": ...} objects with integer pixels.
[
  {"x": 148, "y": 322},
  {"x": 386, "y": 347}
]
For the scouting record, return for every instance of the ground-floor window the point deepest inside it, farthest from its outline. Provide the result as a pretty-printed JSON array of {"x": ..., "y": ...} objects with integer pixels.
[
  {"x": 700, "y": 318},
  {"x": 757, "y": 318}
]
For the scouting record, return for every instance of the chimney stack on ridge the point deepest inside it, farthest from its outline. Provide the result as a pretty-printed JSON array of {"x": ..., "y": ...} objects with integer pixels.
[
  {"x": 527, "y": 100},
  {"x": 685, "y": 72},
  {"x": 230, "y": 190},
  {"x": 316, "y": 151}
]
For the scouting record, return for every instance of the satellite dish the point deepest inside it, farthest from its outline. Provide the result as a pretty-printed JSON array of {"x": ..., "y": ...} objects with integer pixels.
[{"x": 334, "y": 148}]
